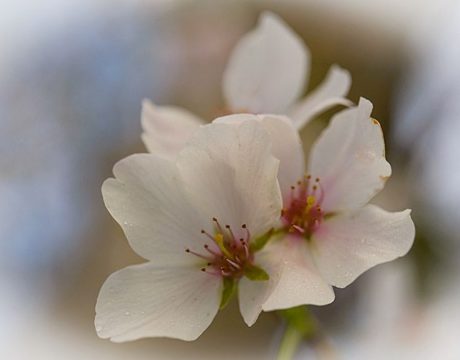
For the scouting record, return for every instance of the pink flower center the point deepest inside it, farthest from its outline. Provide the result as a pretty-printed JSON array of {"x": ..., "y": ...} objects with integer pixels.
[
  {"x": 226, "y": 255},
  {"x": 303, "y": 214}
]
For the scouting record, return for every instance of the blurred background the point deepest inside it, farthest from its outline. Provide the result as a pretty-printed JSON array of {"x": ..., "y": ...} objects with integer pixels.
[{"x": 72, "y": 78}]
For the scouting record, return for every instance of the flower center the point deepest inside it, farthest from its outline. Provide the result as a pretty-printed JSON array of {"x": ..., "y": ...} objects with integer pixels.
[
  {"x": 303, "y": 215},
  {"x": 226, "y": 255}
]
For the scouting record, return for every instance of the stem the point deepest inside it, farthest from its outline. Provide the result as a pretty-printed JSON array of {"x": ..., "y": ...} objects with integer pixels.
[
  {"x": 289, "y": 343},
  {"x": 300, "y": 325}
]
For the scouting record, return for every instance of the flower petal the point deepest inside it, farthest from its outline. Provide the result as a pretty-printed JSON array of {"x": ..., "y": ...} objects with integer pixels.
[
  {"x": 348, "y": 244},
  {"x": 148, "y": 300},
  {"x": 167, "y": 128},
  {"x": 268, "y": 68},
  {"x": 147, "y": 199},
  {"x": 300, "y": 282},
  {"x": 349, "y": 159},
  {"x": 329, "y": 93},
  {"x": 286, "y": 146},
  {"x": 232, "y": 176},
  {"x": 253, "y": 294}
]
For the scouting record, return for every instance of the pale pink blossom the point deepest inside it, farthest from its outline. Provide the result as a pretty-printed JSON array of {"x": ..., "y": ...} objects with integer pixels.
[
  {"x": 196, "y": 220},
  {"x": 329, "y": 233},
  {"x": 266, "y": 73}
]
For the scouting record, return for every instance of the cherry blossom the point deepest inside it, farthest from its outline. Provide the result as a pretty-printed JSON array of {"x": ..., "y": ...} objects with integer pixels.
[
  {"x": 198, "y": 220},
  {"x": 266, "y": 73},
  {"x": 332, "y": 234},
  {"x": 329, "y": 234}
]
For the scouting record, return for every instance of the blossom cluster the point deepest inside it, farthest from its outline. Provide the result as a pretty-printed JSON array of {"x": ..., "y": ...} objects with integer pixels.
[{"x": 232, "y": 207}]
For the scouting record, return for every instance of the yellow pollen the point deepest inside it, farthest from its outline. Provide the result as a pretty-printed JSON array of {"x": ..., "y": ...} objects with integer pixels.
[
  {"x": 219, "y": 238},
  {"x": 311, "y": 200}
]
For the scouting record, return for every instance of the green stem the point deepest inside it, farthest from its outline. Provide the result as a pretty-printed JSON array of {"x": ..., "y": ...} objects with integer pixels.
[
  {"x": 289, "y": 343},
  {"x": 300, "y": 325}
]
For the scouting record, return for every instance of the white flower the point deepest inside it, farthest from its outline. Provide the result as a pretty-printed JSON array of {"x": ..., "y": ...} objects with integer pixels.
[
  {"x": 266, "y": 73},
  {"x": 195, "y": 220},
  {"x": 331, "y": 234}
]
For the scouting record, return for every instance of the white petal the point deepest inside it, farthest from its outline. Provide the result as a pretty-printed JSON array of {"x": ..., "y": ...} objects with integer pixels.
[
  {"x": 267, "y": 70},
  {"x": 329, "y": 93},
  {"x": 167, "y": 128},
  {"x": 157, "y": 301},
  {"x": 147, "y": 199},
  {"x": 286, "y": 146},
  {"x": 300, "y": 282},
  {"x": 237, "y": 119},
  {"x": 253, "y": 294},
  {"x": 231, "y": 175},
  {"x": 349, "y": 158},
  {"x": 348, "y": 244}
]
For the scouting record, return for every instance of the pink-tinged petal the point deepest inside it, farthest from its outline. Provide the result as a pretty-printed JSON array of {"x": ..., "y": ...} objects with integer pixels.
[
  {"x": 348, "y": 244},
  {"x": 167, "y": 129},
  {"x": 231, "y": 175},
  {"x": 329, "y": 93},
  {"x": 268, "y": 68},
  {"x": 149, "y": 300},
  {"x": 300, "y": 282},
  {"x": 147, "y": 199},
  {"x": 286, "y": 146},
  {"x": 349, "y": 159}
]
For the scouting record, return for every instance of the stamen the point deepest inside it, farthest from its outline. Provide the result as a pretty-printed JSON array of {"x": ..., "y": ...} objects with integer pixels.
[
  {"x": 298, "y": 228},
  {"x": 208, "y": 235},
  {"x": 197, "y": 254},
  {"x": 233, "y": 263},
  {"x": 246, "y": 248},
  {"x": 321, "y": 194},
  {"x": 229, "y": 256},
  {"x": 219, "y": 240},
  {"x": 219, "y": 228},
  {"x": 212, "y": 252},
  {"x": 303, "y": 214},
  {"x": 248, "y": 234},
  {"x": 232, "y": 236}
]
